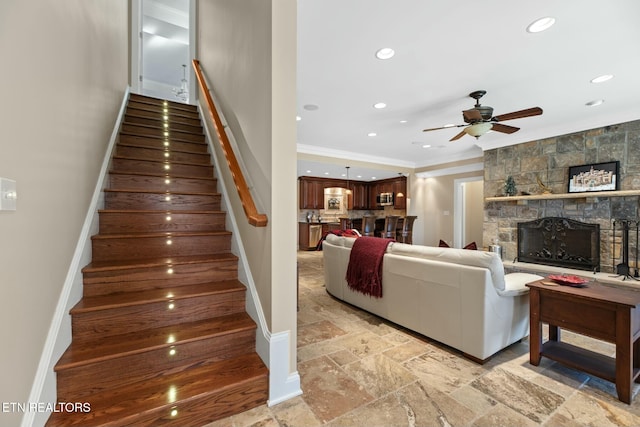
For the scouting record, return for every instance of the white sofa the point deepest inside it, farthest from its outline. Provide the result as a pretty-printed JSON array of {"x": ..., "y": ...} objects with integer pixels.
[{"x": 459, "y": 297}]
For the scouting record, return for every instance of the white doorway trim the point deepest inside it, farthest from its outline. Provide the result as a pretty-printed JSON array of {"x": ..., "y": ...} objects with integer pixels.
[
  {"x": 136, "y": 46},
  {"x": 459, "y": 209}
]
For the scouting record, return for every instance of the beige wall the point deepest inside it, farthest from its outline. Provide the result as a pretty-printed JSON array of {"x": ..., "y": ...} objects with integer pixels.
[
  {"x": 64, "y": 72},
  {"x": 432, "y": 200},
  {"x": 248, "y": 52}
]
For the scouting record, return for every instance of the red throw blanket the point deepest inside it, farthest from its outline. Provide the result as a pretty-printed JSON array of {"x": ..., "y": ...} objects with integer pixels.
[{"x": 364, "y": 273}]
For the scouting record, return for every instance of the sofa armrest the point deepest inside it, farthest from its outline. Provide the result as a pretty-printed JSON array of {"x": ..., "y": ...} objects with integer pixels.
[{"x": 515, "y": 283}]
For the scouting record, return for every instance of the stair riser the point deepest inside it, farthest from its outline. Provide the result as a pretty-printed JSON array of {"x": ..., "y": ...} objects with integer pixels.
[
  {"x": 121, "y": 320},
  {"x": 159, "y": 143},
  {"x": 162, "y": 155},
  {"x": 158, "y": 183},
  {"x": 151, "y": 201},
  {"x": 159, "y": 123},
  {"x": 143, "y": 222},
  {"x": 159, "y": 115},
  {"x": 144, "y": 366},
  {"x": 173, "y": 135},
  {"x": 115, "y": 249},
  {"x": 177, "y": 169},
  {"x": 140, "y": 279}
]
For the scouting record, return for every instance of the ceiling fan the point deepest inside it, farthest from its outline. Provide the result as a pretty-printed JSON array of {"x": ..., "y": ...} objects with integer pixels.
[{"x": 480, "y": 120}]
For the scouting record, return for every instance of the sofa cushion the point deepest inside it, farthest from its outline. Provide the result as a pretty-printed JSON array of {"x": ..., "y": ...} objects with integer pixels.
[
  {"x": 335, "y": 240},
  {"x": 488, "y": 260},
  {"x": 515, "y": 283}
]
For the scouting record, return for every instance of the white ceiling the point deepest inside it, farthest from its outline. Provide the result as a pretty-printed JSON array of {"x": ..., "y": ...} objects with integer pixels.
[{"x": 444, "y": 51}]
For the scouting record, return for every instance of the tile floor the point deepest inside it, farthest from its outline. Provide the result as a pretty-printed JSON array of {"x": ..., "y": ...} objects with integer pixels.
[{"x": 358, "y": 370}]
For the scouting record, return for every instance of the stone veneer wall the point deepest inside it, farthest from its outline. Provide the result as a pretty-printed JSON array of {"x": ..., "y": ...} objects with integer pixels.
[{"x": 550, "y": 159}]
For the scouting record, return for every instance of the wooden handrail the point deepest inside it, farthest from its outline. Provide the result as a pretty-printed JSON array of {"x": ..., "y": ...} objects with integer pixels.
[{"x": 253, "y": 216}]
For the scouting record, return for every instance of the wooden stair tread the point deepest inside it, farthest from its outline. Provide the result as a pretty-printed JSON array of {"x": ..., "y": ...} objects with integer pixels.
[
  {"x": 174, "y": 132},
  {"x": 86, "y": 352},
  {"x": 126, "y": 299},
  {"x": 165, "y": 234},
  {"x": 121, "y": 406},
  {"x": 162, "y": 148},
  {"x": 97, "y": 266},
  {"x": 162, "y": 175},
  {"x": 161, "y": 211},
  {"x": 162, "y": 162},
  {"x": 163, "y": 193}
]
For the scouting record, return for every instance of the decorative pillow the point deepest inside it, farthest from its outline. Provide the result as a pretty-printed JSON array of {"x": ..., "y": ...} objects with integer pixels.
[
  {"x": 471, "y": 246},
  {"x": 443, "y": 244}
]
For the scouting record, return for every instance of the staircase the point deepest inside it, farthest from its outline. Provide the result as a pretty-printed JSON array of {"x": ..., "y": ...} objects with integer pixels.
[{"x": 161, "y": 336}]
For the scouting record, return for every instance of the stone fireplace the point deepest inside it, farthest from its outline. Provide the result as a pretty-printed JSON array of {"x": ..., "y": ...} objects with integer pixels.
[
  {"x": 547, "y": 161},
  {"x": 560, "y": 242}
]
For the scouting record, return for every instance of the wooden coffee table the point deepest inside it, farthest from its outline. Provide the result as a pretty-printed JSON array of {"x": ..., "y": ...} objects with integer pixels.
[{"x": 604, "y": 312}]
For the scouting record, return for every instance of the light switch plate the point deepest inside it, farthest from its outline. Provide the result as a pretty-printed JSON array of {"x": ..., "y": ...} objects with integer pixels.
[{"x": 8, "y": 194}]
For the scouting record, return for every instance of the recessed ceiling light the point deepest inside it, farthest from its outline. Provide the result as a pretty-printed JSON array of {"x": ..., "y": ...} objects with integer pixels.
[
  {"x": 602, "y": 78},
  {"x": 298, "y": 118},
  {"x": 359, "y": 176},
  {"x": 326, "y": 173},
  {"x": 426, "y": 146},
  {"x": 541, "y": 24},
  {"x": 403, "y": 121},
  {"x": 385, "y": 53},
  {"x": 594, "y": 103},
  {"x": 308, "y": 171},
  {"x": 310, "y": 107},
  {"x": 379, "y": 105},
  {"x": 373, "y": 177},
  {"x": 371, "y": 134}
]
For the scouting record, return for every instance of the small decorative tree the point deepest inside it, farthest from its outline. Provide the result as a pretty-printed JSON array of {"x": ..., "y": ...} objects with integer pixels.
[{"x": 510, "y": 186}]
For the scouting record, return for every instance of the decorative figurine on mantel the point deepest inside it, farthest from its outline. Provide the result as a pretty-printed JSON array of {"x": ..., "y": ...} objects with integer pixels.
[
  {"x": 543, "y": 188},
  {"x": 510, "y": 186}
]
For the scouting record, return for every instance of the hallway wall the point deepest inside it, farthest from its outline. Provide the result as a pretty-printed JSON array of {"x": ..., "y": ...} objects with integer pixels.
[{"x": 65, "y": 67}]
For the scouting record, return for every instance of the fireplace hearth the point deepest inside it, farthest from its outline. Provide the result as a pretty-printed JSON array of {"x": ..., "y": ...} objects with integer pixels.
[{"x": 560, "y": 242}]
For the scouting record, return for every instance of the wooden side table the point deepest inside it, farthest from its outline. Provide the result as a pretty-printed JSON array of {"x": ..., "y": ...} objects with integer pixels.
[{"x": 599, "y": 311}]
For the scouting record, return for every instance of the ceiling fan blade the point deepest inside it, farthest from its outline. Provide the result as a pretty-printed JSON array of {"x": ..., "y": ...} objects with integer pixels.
[
  {"x": 442, "y": 127},
  {"x": 471, "y": 115},
  {"x": 535, "y": 111},
  {"x": 499, "y": 127},
  {"x": 458, "y": 136}
]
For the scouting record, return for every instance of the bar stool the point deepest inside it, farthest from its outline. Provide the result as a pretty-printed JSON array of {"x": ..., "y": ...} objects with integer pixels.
[
  {"x": 390, "y": 225},
  {"x": 345, "y": 223},
  {"x": 406, "y": 234},
  {"x": 368, "y": 225}
]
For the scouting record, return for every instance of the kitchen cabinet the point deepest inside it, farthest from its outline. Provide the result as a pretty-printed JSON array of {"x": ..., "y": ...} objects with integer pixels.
[
  {"x": 359, "y": 195},
  {"x": 309, "y": 234},
  {"x": 400, "y": 193},
  {"x": 311, "y": 194}
]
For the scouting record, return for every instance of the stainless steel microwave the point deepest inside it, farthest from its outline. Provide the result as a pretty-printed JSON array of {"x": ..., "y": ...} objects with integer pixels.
[{"x": 385, "y": 199}]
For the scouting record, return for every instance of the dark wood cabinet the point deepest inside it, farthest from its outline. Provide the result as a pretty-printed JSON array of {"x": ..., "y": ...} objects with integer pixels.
[
  {"x": 359, "y": 195},
  {"x": 311, "y": 194},
  {"x": 400, "y": 193},
  {"x": 363, "y": 194}
]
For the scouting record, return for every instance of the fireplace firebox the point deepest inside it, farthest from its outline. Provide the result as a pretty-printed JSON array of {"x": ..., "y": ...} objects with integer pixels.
[{"x": 560, "y": 242}]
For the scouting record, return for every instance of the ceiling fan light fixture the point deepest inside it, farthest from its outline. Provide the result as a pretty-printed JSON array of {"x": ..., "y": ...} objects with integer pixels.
[
  {"x": 478, "y": 129},
  {"x": 541, "y": 24},
  {"x": 385, "y": 53}
]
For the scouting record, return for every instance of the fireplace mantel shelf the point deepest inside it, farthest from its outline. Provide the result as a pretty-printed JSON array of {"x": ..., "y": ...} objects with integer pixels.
[{"x": 620, "y": 193}]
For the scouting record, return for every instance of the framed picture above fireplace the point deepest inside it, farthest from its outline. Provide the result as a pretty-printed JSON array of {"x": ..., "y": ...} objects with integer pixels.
[{"x": 594, "y": 177}]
